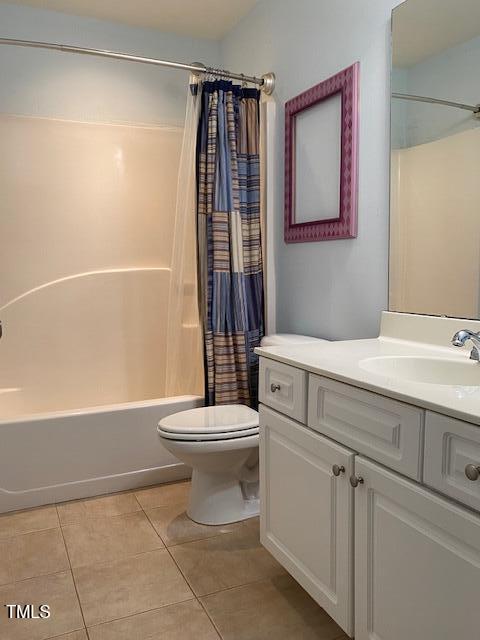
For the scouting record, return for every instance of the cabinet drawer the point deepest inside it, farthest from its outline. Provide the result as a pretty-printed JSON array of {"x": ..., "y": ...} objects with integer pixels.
[
  {"x": 284, "y": 388},
  {"x": 388, "y": 431},
  {"x": 450, "y": 446}
]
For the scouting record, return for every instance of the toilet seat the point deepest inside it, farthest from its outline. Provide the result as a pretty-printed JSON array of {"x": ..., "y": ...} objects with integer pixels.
[
  {"x": 203, "y": 437},
  {"x": 222, "y": 422}
]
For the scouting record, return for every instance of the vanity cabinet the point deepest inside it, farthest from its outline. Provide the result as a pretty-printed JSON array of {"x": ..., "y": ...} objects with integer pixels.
[
  {"x": 307, "y": 510},
  {"x": 417, "y": 561},
  {"x": 345, "y": 509}
]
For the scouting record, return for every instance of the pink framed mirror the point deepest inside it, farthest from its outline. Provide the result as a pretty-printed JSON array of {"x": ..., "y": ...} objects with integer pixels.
[{"x": 321, "y": 160}]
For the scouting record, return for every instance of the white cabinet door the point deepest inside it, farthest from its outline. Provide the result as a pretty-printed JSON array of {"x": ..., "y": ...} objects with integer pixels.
[
  {"x": 417, "y": 561},
  {"x": 306, "y": 514}
]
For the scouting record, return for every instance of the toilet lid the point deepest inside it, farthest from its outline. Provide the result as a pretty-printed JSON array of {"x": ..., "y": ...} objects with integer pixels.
[{"x": 226, "y": 418}]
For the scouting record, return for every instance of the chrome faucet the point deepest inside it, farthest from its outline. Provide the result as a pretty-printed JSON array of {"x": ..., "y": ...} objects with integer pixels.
[{"x": 460, "y": 338}]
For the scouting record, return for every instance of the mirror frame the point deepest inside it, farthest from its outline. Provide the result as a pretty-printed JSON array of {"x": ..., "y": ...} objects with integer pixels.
[{"x": 344, "y": 225}]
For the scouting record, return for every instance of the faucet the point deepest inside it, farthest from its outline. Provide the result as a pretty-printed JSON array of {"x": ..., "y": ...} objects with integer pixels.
[{"x": 462, "y": 336}]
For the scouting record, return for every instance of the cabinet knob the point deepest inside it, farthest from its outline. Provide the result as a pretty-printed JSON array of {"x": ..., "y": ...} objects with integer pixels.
[
  {"x": 274, "y": 387},
  {"x": 337, "y": 470},
  {"x": 356, "y": 480},
  {"x": 472, "y": 472}
]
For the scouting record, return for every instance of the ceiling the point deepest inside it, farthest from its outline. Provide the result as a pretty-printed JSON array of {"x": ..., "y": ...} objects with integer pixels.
[
  {"x": 205, "y": 19},
  {"x": 422, "y": 28}
]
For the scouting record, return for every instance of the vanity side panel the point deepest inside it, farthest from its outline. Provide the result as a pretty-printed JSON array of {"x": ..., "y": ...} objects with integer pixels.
[{"x": 383, "y": 429}]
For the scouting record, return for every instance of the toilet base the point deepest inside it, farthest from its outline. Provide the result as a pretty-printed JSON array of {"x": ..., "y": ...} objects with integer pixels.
[{"x": 221, "y": 498}]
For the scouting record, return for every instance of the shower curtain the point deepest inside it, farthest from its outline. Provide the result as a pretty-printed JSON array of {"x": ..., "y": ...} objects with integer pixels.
[
  {"x": 229, "y": 241},
  {"x": 184, "y": 374}
]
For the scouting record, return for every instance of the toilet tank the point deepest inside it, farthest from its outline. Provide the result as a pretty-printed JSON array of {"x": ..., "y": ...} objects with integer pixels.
[{"x": 278, "y": 339}]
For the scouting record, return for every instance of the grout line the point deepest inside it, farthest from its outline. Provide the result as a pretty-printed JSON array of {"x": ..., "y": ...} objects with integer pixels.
[
  {"x": 80, "y": 522},
  {"x": 197, "y": 598},
  {"x": 41, "y": 575},
  {"x": 28, "y": 533},
  {"x": 216, "y": 535},
  {"x": 73, "y": 578},
  {"x": 210, "y": 618},
  {"x": 140, "y": 613},
  {"x": 179, "y": 544},
  {"x": 67, "y": 633}
]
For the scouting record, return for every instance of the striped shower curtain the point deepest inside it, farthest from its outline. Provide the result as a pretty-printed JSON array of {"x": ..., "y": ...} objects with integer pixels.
[{"x": 229, "y": 241}]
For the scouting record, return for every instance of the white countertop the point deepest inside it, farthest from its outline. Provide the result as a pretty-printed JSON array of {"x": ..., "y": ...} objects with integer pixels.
[{"x": 341, "y": 361}]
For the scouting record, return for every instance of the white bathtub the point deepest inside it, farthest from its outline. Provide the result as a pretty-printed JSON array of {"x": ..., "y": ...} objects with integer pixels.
[{"x": 51, "y": 457}]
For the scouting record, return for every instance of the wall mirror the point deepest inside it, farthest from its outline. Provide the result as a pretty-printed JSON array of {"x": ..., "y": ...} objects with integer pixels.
[
  {"x": 435, "y": 142},
  {"x": 321, "y": 160}
]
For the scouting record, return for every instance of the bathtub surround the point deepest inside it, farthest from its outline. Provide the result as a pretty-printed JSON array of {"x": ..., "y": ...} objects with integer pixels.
[
  {"x": 435, "y": 187},
  {"x": 88, "y": 186},
  {"x": 229, "y": 241},
  {"x": 87, "y": 228}
]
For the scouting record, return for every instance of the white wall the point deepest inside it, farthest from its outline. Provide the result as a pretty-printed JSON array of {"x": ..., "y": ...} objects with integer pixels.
[
  {"x": 36, "y": 82},
  {"x": 334, "y": 289}
]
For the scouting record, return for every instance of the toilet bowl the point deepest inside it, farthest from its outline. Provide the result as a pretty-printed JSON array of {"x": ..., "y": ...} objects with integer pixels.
[{"x": 220, "y": 443}]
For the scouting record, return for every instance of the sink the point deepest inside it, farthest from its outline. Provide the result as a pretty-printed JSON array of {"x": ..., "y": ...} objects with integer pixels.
[{"x": 427, "y": 370}]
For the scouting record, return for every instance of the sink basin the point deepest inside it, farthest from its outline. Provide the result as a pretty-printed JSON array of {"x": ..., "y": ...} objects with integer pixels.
[{"x": 426, "y": 370}]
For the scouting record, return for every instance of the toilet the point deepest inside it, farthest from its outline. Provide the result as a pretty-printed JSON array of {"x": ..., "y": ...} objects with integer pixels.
[{"x": 220, "y": 443}]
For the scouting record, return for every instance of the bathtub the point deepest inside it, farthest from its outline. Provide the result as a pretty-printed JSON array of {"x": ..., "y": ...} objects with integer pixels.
[
  {"x": 56, "y": 456},
  {"x": 87, "y": 224}
]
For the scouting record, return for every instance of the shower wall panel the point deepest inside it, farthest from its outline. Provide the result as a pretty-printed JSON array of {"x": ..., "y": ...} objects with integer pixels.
[{"x": 86, "y": 228}]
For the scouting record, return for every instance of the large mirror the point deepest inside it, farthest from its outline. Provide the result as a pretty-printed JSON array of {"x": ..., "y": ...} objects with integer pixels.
[{"x": 435, "y": 163}]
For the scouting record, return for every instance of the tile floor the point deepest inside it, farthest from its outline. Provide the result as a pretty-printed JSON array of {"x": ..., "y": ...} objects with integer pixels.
[{"x": 132, "y": 566}]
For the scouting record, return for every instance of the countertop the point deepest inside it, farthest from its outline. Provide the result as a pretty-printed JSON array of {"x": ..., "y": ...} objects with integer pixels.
[{"x": 341, "y": 361}]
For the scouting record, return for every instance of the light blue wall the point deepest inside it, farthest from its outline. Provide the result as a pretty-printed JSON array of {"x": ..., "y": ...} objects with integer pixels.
[
  {"x": 61, "y": 85},
  {"x": 334, "y": 289}
]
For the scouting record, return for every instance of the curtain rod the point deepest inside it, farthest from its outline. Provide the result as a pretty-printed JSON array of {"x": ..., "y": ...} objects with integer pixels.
[
  {"x": 475, "y": 109},
  {"x": 266, "y": 82}
]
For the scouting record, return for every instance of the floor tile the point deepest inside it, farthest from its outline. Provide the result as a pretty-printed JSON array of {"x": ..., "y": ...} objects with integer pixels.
[
  {"x": 101, "y": 507},
  {"x": 75, "y": 635},
  {"x": 183, "y": 621},
  {"x": 57, "y": 591},
  {"x": 225, "y": 561},
  {"x": 6, "y": 568},
  {"x": 99, "y": 540},
  {"x": 175, "y": 527},
  {"x": 164, "y": 495},
  {"x": 128, "y": 586},
  {"x": 31, "y": 555},
  {"x": 278, "y": 608},
  {"x": 18, "y": 522}
]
